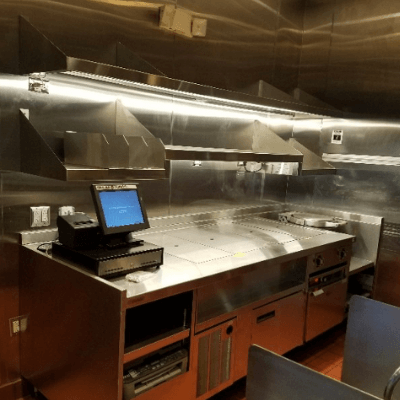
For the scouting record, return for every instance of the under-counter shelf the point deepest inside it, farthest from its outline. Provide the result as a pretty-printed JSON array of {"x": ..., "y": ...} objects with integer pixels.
[
  {"x": 158, "y": 324},
  {"x": 154, "y": 344}
]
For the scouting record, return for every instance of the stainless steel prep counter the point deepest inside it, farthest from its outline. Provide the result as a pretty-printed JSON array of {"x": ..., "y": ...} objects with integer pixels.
[
  {"x": 231, "y": 273},
  {"x": 197, "y": 253}
]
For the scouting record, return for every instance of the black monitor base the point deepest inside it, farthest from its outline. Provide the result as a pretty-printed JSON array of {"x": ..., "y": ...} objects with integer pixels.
[{"x": 116, "y": 241}]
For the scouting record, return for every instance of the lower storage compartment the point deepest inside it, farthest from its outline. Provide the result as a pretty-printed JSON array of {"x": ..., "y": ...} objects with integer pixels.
[
  {"x": 154, "y": 369},
  {"x": 279, "y": 326}
]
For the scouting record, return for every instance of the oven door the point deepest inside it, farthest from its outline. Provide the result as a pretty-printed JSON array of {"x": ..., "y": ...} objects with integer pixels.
[{"x": 325, "y": 308}]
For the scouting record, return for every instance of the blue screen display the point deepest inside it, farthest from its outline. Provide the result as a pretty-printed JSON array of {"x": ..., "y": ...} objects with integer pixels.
[{"x": 121, "y": 208}]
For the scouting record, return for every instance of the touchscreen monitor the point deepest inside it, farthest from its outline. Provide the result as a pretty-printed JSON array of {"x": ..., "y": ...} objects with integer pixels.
[{"x": 119, "y": 208}]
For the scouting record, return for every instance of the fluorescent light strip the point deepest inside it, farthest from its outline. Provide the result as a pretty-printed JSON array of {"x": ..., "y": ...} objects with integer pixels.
[
  {"x": 361, "y": 159},
  {"x": 187, "y": 96}
]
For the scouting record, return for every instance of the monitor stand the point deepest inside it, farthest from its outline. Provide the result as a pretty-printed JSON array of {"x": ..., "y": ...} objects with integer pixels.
[{"x": 124, "y": 240}]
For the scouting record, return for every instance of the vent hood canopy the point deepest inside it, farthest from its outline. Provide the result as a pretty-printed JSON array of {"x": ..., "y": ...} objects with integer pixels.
[
  {"x": 128, "y": 152},
  {"x": 312, "y": 163},
  {"x": 38, "y": 54},
  {"x": 266, "y": 146}
]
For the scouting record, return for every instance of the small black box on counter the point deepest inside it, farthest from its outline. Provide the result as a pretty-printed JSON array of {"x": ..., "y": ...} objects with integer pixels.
[{"x": 78, "y": 231}]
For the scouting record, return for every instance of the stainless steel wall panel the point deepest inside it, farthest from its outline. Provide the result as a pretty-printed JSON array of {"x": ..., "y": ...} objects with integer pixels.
[
  {"x": 300, "y": 190},
  {"x": 281, "y": 125},
  {"x": 239, "y": 45},
  {"x": 88, "y": 29},
  {"x": 349, "y": 56},
  {"x": 368, "y": 192},
  {"x": 10, "y": 40},
  {"x": 239, "y": 48},
  {"x": 308, "y": 133},
  {"x": 207, "y": 126},
  {"x": 387, "y": 286},
  {"x": 364, "y": 137},
  {"x": 13, "y": 95},
  {"x": 156, "y": 196},
  {"x": 20, "y": 191},
  {"x": 288, "y": 44},
  {"x": 212, "y": 187},
  {"x": 316, "y": 46},
  {"x": 387, "y": 281},
  {"x": 364, "y": 40}
]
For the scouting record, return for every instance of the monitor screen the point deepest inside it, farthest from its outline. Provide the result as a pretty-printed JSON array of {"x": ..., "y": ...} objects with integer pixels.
[{"x": 119, "y": 208}]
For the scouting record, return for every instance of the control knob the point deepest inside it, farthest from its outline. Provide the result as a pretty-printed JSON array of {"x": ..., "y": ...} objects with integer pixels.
[
  {"x": 342, "y": 253},
  {"x": 319, "y": 261}
]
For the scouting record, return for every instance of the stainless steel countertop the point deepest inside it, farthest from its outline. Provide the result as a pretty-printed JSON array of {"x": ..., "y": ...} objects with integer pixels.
[{"x": 200, "y": 252}]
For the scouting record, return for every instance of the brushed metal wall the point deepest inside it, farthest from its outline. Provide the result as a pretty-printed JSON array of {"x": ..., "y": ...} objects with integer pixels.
[
  {"x": 350, "y": 55},
  {"x": 366, "y": 187},
  {"x": 247, "y": 40}
]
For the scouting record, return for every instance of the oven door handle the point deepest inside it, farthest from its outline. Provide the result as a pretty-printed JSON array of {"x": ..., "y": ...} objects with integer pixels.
[{"x": 326, "y": 288}]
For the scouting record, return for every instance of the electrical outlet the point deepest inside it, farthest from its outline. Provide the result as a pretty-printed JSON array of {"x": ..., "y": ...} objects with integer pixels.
[
  {"x": 40, "y": 216},
  {"x": 18, "y": 324},
  {"x": 36, "y": 217},
  {"x": 45, "y": 215},
  {"x": 337, "y": 136},
  {"x": 66, "y": 210}
]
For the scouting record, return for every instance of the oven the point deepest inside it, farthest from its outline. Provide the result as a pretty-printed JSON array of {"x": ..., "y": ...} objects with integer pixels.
[{"x": 327, "y": 280}]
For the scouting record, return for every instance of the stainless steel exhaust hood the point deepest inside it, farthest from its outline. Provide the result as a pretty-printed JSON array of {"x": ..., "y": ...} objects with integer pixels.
[
  {"x": 266, "y": 146},
  {"x": 39, "y": 55},
  {"x": 130, "y": 152},
  {"x": 312, "y": 163}
]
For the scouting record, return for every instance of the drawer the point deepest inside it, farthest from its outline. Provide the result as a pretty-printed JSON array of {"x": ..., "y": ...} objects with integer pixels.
[
  {"x": 325, "y": 308},
  {"x": 279, "y": 326}
]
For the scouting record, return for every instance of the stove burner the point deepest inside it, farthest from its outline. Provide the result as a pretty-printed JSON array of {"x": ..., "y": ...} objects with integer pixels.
[{"x": 312, "y": 220}]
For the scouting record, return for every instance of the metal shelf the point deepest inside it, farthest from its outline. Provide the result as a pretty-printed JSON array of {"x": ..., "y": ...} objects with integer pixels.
[{"x": 154, "y": 344}]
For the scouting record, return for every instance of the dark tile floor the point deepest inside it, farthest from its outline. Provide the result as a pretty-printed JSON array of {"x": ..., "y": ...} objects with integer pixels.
[{"x": 324, "y": 354}]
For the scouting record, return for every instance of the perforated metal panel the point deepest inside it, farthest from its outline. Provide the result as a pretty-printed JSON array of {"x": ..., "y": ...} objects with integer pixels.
[{"x": 214, "y": 360}]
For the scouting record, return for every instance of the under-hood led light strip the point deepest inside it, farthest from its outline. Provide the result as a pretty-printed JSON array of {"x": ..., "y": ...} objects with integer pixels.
[
  {"x": 361, "y": 159},
  {"x": 185, "y": 95}
]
